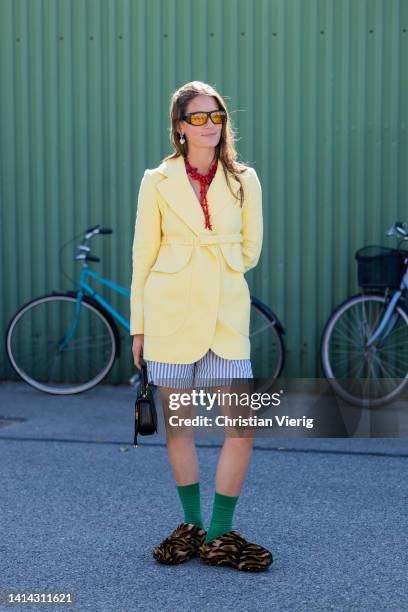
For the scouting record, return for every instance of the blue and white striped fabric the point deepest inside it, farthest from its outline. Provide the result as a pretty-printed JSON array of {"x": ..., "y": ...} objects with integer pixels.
[{"x": 211, "y": 369}]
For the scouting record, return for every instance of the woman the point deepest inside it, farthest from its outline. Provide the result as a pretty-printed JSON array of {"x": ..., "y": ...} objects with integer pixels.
[{"x": 198, "y": 230}]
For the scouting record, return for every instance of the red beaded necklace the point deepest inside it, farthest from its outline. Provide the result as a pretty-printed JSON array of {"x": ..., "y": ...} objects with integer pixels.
[{"x": 205, "y": 180}]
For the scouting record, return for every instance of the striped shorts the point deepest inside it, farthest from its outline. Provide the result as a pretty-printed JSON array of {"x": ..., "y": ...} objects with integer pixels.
[{"x": 211, "y": 369}]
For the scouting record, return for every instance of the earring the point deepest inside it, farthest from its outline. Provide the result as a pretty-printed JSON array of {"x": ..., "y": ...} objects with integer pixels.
[{"x": 182, "y": 139}]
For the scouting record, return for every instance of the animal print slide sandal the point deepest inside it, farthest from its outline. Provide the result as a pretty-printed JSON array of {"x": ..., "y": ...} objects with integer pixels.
[
  {"x": 234, "y": 550},
  {"x": 182, "y": 544}
]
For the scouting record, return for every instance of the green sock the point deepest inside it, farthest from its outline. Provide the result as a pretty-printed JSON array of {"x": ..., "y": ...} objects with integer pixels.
[
  {"x": 221, "y": 520},
  {"x": 190, "y": 498}
]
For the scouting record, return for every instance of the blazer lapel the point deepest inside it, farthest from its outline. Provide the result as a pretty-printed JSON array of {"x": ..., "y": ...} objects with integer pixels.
[{"x": 178, "y": 192}]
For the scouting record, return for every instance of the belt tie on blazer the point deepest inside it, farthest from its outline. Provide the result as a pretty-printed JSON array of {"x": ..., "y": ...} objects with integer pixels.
[{"x": 201, "y": 240}]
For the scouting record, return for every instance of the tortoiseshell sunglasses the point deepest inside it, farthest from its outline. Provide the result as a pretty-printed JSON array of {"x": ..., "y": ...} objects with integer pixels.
[{"x": 201, "y": 117}]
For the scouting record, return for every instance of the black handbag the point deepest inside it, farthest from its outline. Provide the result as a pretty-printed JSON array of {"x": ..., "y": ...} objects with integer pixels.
[{"x": 145, "y": 410}]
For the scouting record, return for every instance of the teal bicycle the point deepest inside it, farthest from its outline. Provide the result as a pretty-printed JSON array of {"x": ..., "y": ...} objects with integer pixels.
[
  {"x": 67, "y": 342},
  {"x": 364, "y": 346}
]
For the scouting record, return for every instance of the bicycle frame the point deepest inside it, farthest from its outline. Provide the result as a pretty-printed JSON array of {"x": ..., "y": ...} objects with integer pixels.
[
  {"x": 390, "y": 316},
  {"x": 86, "y": 288}
]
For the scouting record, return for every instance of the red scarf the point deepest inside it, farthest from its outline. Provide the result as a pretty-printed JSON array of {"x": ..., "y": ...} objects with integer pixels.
[{"x": 205, "y": 180}]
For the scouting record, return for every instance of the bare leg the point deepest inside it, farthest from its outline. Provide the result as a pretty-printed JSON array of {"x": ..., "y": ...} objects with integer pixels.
[
  {"x": 236, "y": 451},
  {"x": 181, "y": 447}
]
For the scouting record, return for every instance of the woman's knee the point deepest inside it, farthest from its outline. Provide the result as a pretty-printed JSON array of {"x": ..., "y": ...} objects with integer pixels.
[
  {"x": 239, "y": 442},
  {"x": 177, "y": 417}
]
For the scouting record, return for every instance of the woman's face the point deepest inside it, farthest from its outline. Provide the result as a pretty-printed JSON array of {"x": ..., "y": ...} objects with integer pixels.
[{"x": 207, "y": 135}]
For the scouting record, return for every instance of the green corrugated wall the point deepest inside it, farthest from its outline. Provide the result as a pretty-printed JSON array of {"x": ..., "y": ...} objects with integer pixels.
[{"x": 318, "y": 92}]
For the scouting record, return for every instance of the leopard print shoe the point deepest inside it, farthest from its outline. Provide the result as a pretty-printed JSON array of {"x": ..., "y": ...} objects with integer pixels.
[
  {"x": 182, "y": 544},
  {"x": 234, "y": 550}
]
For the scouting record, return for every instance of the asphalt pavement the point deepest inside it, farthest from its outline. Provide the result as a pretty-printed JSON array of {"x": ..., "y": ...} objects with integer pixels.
[{"x": 82, "y": 509}]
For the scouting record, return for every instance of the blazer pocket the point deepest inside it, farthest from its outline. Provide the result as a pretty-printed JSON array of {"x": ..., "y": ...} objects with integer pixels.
[
  {"x": 233, "y": 256},
  {"x": 167, "y": 291},
  {"x": 172, "y": 258}
]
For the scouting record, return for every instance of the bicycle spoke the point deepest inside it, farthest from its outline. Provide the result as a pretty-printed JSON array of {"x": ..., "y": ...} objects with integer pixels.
[
  {"x": 384, "y": 367},
  {"x": 374, "y": 372},
  {"x": 345, "y": 351},
  {"x": 39, "y": 352},
  {"x": 350, "y": 339}
]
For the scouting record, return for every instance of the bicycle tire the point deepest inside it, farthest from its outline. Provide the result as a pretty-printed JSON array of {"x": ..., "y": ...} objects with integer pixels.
[
  {"x": 327, "y": 366},
  {"x": 65, "y": 390},
  {"x": 258, "y": 308}
]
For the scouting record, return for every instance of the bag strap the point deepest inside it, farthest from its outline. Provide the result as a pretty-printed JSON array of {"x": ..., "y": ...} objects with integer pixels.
[{"x": 145, "y": 383}]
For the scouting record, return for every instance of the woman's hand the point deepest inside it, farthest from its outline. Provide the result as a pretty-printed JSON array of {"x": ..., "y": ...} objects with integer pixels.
[{"x": 137, "y": 349}]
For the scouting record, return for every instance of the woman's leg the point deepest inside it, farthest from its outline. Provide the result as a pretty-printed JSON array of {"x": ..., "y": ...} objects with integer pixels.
[
  {"x": 185, "y": 540},
  {"x": 233, "y": 465},
  {"x": 181, "y": 447},
  {"x": 223, "y": 545},
  {"x": 183, "y": 458},
  {"x": 233, "y": 462},
  {"x": 180, "y": 441},
  {"x": 236, "y": 451}
]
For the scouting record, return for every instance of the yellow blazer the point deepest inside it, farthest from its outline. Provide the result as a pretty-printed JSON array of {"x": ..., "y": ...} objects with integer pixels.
[{"x": 188, "y": 291}]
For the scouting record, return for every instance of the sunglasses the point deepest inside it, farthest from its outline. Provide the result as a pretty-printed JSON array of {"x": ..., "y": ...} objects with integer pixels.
[{"x": 201, "y": 117}]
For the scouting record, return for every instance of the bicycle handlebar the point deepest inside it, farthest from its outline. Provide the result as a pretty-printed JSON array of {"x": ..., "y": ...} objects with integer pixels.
[
  {"x": 398, "y": 229},
  {"x": 84, "y": 249},
  {"x": 92, "y": 231}
]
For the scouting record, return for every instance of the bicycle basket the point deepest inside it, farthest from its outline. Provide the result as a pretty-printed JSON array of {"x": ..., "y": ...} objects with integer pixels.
[{"x": 379, "y": 267}]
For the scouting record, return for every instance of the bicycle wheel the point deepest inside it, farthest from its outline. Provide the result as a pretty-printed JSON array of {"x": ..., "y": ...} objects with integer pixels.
[
  {"x": 362, "y": 375},
  {"x": 267, "y": 347},
  {"x": 59, "y": 348}
]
